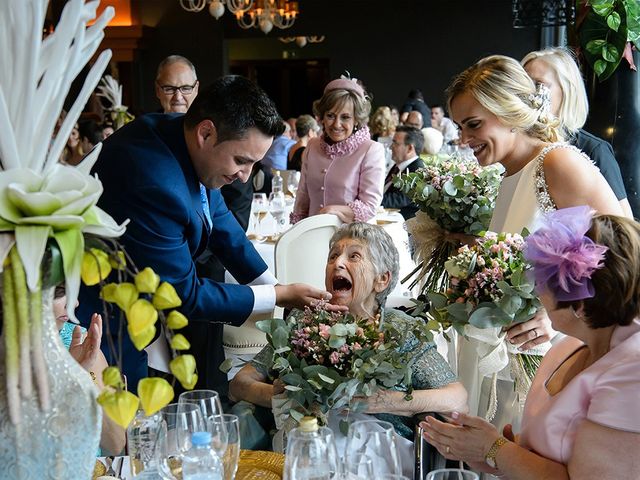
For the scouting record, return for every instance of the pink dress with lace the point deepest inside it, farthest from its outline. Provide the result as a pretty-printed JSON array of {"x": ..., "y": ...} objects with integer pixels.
[
  {"x": 605, "y": 393},
  {"x": 350, "y": 173}
]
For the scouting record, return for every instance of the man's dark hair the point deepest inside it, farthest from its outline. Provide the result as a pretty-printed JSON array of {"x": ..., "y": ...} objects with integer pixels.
[
  {"x": 235, "y": 104},
  {"x": 90, "y": 130},
  {"x": 413, "y": 137},
  {"x": 438, "y": 106},
  {"x": 416, "y": 94}
]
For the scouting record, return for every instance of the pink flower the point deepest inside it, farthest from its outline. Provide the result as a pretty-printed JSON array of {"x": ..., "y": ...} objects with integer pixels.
[
  {"x": 334, "y": 358},
  {"x": 324, "y": 331}
]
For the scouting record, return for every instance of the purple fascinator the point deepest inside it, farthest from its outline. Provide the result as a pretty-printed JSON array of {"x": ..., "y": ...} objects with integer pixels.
[{"x": 563, "y": 258}]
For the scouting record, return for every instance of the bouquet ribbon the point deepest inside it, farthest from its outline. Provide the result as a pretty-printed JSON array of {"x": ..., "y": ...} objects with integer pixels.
[{"x": 494, "y": 354}]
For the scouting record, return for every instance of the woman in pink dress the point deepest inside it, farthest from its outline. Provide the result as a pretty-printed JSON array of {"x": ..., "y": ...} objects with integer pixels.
[
  {"x": 343, "y": 170},
  {"x": 581, "y": 417}
]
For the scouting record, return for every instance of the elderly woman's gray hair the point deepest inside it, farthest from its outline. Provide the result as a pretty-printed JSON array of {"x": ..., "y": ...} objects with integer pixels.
[{"x": 382, "y": 252}]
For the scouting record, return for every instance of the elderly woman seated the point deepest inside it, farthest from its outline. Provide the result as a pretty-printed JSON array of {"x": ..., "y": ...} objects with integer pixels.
[{"x": 361, "y": 270}]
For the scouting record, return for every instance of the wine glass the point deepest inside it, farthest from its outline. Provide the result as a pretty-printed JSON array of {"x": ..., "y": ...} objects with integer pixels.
[
  {"x": 259, "y": 207},
  {"x": 226, "y": 428},
  {"x": 181, "y": 420},
  {"x": 293, "y": 179},
  {"x": 452, "y": 474},
  {"x": 278, "y": 209},
  {"x": 207, "y": 400},
  {"x": 377, "y": 440},
  {"x": 357, "y": 467}
]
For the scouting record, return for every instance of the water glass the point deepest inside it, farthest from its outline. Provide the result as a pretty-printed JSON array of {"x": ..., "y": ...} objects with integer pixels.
[
  {"x": 357, "y": 467},
  {"x": 259, "y": 208},
  {"x": 208, "y": 401},
  {"x": 278, "y": 209},
  {"x": 229, "y": 434},
  {"x": 182, "y": 419},
  {"x": 293, "y": 180},
  {"x": 142, "y": 439},
  {"x": 452, "y": 474},
  {"x": 377, "y": 440}
]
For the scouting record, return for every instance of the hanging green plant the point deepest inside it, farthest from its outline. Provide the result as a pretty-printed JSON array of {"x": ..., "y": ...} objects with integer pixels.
[{"x": 607, "y": 32}]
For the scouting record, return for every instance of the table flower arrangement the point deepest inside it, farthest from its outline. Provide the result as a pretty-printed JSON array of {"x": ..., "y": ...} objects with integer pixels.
[
  {"x": 454, "y": 196},
  {"x": 111, "y": 91},
  {"x": 327, "y": 359},
  {"x": 490, "y": 289},
  {"x": 49, "y": 418}
]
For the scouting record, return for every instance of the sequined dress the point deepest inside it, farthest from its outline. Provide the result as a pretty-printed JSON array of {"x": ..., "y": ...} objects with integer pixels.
[{"x": 522, "y": 200}]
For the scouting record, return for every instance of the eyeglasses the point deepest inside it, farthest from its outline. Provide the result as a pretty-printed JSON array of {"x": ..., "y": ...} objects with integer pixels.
[{"x": 184, "y": 89}]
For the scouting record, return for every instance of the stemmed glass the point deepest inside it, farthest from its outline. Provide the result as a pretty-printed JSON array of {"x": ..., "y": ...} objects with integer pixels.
[
  {"x": 375, "y": 439},
  {"x": 259, "y": 208},
  {"x": 357, "y": 467},
  {"x": 452, "y": 474},
  {"x": 181, "y": 419},
  {"x": 208, "y": 401},
  {"x": 278, "y": 209},
  {"x": 226, "y": 427},
  {"x": 293, "y": 179}
]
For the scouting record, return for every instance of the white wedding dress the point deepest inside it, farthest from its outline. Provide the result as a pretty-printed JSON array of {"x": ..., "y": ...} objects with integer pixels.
[{"x": 522, "y": 199}]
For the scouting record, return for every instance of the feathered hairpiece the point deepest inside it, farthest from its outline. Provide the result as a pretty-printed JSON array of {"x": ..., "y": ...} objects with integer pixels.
[
  {"x": 540, "y": 101},
  {"x": 563, "y": 258}
]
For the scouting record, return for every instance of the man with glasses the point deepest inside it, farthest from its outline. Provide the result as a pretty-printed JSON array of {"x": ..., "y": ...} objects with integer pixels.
[{"x": 176, "y": 84}]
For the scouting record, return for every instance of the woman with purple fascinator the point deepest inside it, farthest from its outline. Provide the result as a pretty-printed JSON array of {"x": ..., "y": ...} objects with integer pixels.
[
  {"x": 581, "y": 417},
  {"x": 343, "y": 170}
]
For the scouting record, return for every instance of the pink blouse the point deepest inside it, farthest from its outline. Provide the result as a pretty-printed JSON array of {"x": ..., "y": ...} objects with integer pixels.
[
  {"x": 351, "y": 174},
  {"x": 605, "y": 393}
]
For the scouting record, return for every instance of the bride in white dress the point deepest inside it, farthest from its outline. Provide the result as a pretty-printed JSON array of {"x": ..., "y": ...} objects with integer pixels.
[{"x": 504, "y": 118}]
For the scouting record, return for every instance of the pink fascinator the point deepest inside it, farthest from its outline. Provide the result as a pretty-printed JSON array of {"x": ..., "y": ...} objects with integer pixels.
[
  {"x": 563, "y": 258},
  {"x": 345, "y": 83}
]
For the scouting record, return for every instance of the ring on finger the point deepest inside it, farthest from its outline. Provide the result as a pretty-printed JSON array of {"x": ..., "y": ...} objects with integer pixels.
[{"x": 535, "y": 333}]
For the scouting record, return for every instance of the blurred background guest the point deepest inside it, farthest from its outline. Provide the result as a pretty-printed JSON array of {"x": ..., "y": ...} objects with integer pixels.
[
  {"x": 73, "y": 153},
  {"x": 343, "y": 170},
  {"x": 415, "y": 119},
  {"x": 176, "y": 84},
  {"x": 90, "y": 134},
  {"x": 443, "y": 124},
  {"x": 414, "y": 102},
  {"x": 306, "y": 129},
  {"x": 556, "y": 68},
  {"x": 277, "y": 155},
  {"x": 382, "y": 128}
]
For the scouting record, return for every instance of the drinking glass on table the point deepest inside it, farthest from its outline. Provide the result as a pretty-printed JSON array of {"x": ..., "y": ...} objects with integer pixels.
[
  {"x": 377, "y": 440},
  {"x": 226, "y": 428},
  {"x": 182, "y": 420},
  {"x": 356, "y": 467},
  {"x": 293, "y": 179},
  {"x": 452, "y": 474},
  {"x": 259, "y": 209},
  {"x": 278, "y": 209},
  {"x": 142, "y": 441}
]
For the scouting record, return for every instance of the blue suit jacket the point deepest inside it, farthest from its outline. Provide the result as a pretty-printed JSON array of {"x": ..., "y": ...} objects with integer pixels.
[{"x": 148, "y": 178}]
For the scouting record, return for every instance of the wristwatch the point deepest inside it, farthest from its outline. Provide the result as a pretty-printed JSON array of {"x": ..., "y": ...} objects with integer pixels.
[{"x": 490, "y": 457}]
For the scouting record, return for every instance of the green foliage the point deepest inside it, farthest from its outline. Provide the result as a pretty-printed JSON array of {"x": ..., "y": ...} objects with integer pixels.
[{"x": 605, "y": 30}]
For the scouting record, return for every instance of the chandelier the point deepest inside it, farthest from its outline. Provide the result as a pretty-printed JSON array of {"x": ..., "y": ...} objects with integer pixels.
[
  {"x": 262, "y": 14},
  {"x": 302, "y": 41}
]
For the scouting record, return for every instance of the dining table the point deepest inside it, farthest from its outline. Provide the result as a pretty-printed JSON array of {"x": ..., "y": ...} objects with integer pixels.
[{"x": 252, "y": 465}]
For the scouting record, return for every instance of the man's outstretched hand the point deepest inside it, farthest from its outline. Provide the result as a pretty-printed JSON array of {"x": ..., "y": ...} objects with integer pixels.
[{"x": 297, "y": 295}]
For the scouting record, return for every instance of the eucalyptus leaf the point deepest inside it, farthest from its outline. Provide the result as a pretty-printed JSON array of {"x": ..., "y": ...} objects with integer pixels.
[
  {"x": 488, "y": 317},
  {"x": 292, "y": 388},
  {"x": 226, "y": 365}
]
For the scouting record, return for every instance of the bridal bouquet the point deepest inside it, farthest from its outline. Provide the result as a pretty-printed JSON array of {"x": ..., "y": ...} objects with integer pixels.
[
  {"x": 326, "y": 359},
  {"x": 489, "y": 290},
  {"x": 454, "y": 196}
]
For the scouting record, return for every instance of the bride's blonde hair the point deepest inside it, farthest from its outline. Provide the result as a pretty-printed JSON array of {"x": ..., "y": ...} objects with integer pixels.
[{"x": 502, "y": 86}]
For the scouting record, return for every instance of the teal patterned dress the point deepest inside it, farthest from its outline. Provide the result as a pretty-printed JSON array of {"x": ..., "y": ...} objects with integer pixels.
[{"x": 428, "y": 368}]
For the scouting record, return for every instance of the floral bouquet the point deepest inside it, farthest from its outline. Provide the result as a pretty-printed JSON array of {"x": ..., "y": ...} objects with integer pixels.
[
  {"x": 327, "y": 359},
  {"x": 490, "y": 290},
  {"x": 454, "y": 196}
]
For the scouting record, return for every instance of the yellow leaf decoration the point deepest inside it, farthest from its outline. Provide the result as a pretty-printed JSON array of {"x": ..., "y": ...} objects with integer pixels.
[
  {"x": 95, "y": 266},
  {"x": 176, "y": 320},
  {"x": 183, "y": 368},
  {"x": 147, "y": 281},
  {"x": 118, "y": 260},
  {"x": 108, "y": 292},
  {"x": 143, "y": 338},
  {"x": 123, "y": 294},
  {"x": 179, "y": 342},
  {"x": 155, "y": 393},
  {"x": 111, "y": 377},
  {"x": 141, "y": 315},
  {"x": 166, "y": 297},
  {"x": 120, "y": 406}
]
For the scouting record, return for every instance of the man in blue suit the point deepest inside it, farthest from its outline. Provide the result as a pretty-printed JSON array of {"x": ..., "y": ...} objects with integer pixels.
[{"x": 163, "y": 173}]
